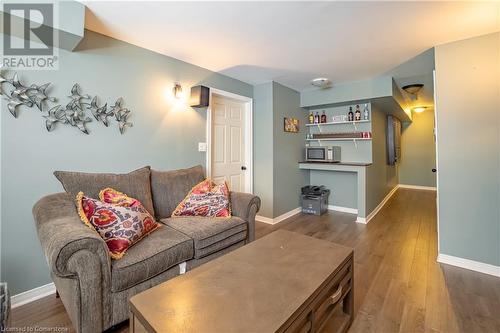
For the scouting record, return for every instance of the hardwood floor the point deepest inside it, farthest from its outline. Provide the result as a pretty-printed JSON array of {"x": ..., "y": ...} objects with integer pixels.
[{"x": 399, "y": 286}]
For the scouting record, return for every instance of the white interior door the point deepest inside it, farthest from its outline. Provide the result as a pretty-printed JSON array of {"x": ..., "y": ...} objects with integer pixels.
[{"x": 228, "y": 142}]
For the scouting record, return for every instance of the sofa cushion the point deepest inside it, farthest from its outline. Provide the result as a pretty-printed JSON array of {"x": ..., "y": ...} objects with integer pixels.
[
  {"x": 170, "y": 187},
  {"x": 164, "y": 248},
  {"x": 209, "y": 234},
  {"x": 136, "y": 184}
]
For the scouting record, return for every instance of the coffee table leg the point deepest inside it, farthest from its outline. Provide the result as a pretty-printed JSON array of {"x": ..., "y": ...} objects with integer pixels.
[
  {"x": 348, "y": 304},
  {"x": 131, "y": 322},
  {"x": 135, "y": 325}
]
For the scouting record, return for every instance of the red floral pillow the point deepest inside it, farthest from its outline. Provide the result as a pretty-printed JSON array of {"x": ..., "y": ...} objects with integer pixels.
[
  {"x": 119, "y": 226},
  {"x": 206, "y": 199},
  {"x": 112, "y": 196}
]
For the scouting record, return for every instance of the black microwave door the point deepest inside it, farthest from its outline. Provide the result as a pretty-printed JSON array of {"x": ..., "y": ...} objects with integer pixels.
[{"x": 316, "y": 154}]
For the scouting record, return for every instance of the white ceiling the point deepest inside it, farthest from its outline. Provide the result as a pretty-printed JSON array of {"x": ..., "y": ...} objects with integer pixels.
[{"x": 292, "y": 42}]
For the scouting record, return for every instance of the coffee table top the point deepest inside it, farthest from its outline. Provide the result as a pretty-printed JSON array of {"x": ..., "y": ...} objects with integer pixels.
[{"x": 255, "y": 288}]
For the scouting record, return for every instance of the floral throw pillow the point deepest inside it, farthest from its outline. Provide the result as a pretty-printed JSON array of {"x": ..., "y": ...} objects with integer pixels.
[
  {"x": 119, "y": 226},
  {"x": 112, "y": 196},
  {"x": 206, "y": 199}
]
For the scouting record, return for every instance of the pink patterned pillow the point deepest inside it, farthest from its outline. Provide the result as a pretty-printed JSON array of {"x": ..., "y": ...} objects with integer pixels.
[
  {"x": 206, "y": 199},
  {"x": 119, "y": 226},
  {"x": 112, "y": 196}
]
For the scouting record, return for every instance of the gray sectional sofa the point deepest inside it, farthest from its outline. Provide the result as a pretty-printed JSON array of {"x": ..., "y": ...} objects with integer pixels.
[{"x": 95, "y": 289}]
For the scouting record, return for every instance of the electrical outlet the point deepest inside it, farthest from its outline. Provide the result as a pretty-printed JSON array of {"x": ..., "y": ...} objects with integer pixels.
[{"x": 202, "y": 146}]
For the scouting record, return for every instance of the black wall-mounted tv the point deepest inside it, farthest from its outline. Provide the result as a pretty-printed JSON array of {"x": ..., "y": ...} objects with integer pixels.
[{"x": 393, "y": 134}]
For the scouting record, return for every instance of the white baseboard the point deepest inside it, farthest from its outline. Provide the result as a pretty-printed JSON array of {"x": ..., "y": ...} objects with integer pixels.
[
  {"x": 280, "y": 218},
  {"x": 264, "y": 219},
  {"x": 418, "y": 187},
  {"x": 343, "y": 209},
  {"x": 469, "y": 264},
  {"x": 32, "y": 295},
  {"x": 388, "y": 196},
  {"x": 378, "y": 208},
  {"x": 297, "y": 210},
  {"x": 361, "y": 220}
]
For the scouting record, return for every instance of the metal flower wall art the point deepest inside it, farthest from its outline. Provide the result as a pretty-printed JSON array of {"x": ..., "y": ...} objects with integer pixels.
[{"x": 75, "y": 113}]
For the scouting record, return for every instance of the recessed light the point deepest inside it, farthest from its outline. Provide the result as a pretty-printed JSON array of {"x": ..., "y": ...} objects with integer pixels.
[{"x": 321, "y": 82}]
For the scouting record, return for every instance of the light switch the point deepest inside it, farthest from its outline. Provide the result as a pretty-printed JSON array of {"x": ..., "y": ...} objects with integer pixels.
[{"x": 202, "y": 146}]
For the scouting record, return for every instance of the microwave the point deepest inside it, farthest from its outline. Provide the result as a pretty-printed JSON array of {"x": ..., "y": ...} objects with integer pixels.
[{"x": 323, "y": 154}]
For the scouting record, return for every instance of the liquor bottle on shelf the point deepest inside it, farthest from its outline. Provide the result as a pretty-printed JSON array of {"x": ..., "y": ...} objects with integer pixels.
[
  {"x": 316, "y": 118},
  {"x": 350, "y": 115},
  {"x": 366, "y": 113},
  {"x": 311, "y": 118},
  {"x": 357, "y": 116},
  {"x": 323, "y": 117}
]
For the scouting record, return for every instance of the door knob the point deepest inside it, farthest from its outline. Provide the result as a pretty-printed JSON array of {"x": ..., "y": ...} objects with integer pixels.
[
  {"x": 434, "y": 170},
  {"x": 243, "y": 167}
]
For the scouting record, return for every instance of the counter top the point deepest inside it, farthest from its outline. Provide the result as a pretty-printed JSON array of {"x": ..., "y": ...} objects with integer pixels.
[{"x": 336, "y": 163}]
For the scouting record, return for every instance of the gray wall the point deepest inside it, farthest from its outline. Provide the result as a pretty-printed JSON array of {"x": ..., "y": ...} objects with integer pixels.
[
  {"x": 380, "y": 177},
  {"x": 288, "y": 150},
  {"x": 418, "y": 151},
  {"x": 263, "y": 124},
  {"x": 277, "y": 177},
  {"x": 467, "y": 106},
  {"x": 165, "y": 136},
  {"x": 343, "y": 187}
]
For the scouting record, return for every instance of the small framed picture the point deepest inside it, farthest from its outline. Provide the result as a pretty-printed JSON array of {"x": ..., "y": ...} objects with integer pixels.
[{"x": 291, "y": 125}]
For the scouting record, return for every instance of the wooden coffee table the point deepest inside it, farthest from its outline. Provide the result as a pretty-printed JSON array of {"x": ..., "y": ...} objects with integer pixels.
[{"x": 283, "y": 282}]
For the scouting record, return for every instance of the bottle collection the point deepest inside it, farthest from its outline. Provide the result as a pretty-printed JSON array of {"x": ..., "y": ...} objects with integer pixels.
[
  {"x": 353, "y": 116},
  {"x": 355, "y": 113}
]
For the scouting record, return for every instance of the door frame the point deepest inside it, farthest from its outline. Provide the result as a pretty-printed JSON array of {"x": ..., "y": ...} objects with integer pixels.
[
  {"x": 436, "y": 131},
  {"x": 248, "y": 135}
]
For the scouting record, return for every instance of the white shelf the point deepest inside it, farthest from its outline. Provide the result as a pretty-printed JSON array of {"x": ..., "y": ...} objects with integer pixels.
[
  {"x": 340, "y": 139},
  {"x": 339, "y": 122}
]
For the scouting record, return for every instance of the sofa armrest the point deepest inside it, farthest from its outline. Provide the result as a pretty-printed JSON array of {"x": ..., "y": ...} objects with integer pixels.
[
  {"x": 245, "y": 206},
  {"x": 62, "y": 234},
  {"x": 74, "y": 252}
]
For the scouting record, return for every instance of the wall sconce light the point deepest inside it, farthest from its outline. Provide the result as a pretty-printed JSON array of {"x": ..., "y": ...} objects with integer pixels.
[
  {"x": 177, "y": 90},
  {"x": 413, "y": 89},
  {"x": 200, "y": 96},
  {"x": 419, "y": 109}
]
